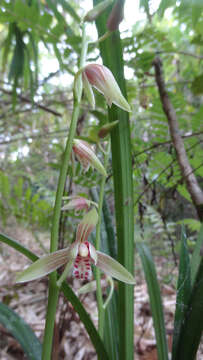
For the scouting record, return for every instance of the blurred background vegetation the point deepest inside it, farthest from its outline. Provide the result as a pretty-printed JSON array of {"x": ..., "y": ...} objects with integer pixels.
[{"x": 40, "y": 43}]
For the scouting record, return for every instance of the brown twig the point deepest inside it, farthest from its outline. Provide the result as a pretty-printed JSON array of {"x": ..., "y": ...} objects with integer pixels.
[
  {"x": 155, "y": 145},
  {"x": 185, "y": 53},
  {"x": 188, "y": 175},
  {"x": 26, "y": 100}
]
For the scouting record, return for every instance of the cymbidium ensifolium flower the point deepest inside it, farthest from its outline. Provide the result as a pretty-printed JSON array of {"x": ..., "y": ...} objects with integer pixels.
[
  {"x": 79, "y": 257},
  {"x": 102, "y": 79}
]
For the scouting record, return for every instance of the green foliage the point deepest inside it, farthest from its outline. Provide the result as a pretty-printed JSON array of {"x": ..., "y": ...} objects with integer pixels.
[
  {"x": 183, "y": 291},
  {"x": 40, "y": 43},
  {"x": 19, "y": 200},
  {"x": 191, "y": 328},
  {"x": 16, "y": 326},
  {"x": 155, "y": 300}
]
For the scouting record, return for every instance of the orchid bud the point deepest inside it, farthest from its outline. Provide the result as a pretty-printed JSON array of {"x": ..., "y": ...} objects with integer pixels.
[
  {"x": 116, "y": 16},
  {"x": 106, "y": 129},
  {"x": 100, "y": 77},
  {"x": 77, "y": 203},
  {"x": 97, "y": 10},
  {"x": 86, "y": 156}
]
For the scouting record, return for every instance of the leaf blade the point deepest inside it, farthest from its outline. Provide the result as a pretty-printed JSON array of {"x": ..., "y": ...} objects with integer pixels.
[
  {"x": 155, "y": 300},
  {"x": 21, "y": 332}
]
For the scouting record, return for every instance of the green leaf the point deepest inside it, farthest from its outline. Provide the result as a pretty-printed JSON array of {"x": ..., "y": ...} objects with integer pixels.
[
  {"x": 197, "y": 85},
  {"x": 67, "y": 7},
  {"x": 7, "y": 46},
  {"x": 155, "y": 300},
  {"x": 193, "y": 224},
  {"x": 122, "y": 176},
  {"x": 183, "y": 192},
  {"x": 183, "y": 291},
  {"x": 197, "y": 255},
  {"x": 144, "y": 60},
  {"x": 16, "y": 326},
  {"x": 108, "y": 246},
  {"x": 164, "y": 4},
  {"x": 192, "y": 326},
  {"x": 85, "y": 318},
  {"x": 17, "y": 63}
]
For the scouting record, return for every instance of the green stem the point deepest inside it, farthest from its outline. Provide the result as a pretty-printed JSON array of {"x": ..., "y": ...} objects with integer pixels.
[
  {"x": 97, "y": 246},
  {"x": 53, "y": 289}
]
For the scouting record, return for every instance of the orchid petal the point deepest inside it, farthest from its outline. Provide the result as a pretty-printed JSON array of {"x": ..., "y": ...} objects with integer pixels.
[
  {"x": 93, "y": 253},
  {"x": 113, "y": 268},
  {"x": 45, "y": 265},
  {"x": 86, "y": 226},
  {"x": 88, "y": 91}
]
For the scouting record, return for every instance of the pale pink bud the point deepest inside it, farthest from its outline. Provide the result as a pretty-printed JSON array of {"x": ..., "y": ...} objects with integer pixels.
[
  {"x": 100, "y": 77},
  {"x": 86, "y": 156},
  {"x": 77, "y": 203}
]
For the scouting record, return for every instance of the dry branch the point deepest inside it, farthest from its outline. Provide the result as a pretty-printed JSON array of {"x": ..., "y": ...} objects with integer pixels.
[{"x": 187, "y": 172}]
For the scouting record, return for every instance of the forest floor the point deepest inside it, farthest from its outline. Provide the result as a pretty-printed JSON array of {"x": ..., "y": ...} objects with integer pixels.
[{"x": 72, "y": 342}]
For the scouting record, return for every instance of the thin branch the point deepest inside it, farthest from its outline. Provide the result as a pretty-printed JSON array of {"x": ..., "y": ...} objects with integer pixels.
[
  {"x": 187, "y": 172},
  {"x": 25, "y": 138},
  {"x": 185, "y": 53},
  {"x": 169, "y": 83},
  {"x": 26, "y": 100},
  {"x": 155, "y": 145},
  {"x": 162, "y": 172}
]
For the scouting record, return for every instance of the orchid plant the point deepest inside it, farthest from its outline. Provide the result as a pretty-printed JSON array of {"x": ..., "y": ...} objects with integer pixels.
[{"x": 81, "y": 254}]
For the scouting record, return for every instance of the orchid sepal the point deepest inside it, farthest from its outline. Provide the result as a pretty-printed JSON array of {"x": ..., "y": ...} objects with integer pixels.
[
  {"x": 88, "y": 91},
  {"x": 77, "y": 203},
  {"x": 45, "y": 265},
  {"x": 113, "y": 268}
]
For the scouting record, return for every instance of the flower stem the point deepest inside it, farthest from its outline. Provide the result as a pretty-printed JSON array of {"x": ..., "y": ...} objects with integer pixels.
[
  {"x": 97, "y": 246},
  {"x": 53, "y": 289}
]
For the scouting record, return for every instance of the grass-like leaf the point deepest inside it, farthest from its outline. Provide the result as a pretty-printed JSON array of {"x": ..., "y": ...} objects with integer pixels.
[
  {"x": 112, "y": 56},
  {"x": 196, "y": 256},
  {"x": 155, "y": 300},
  {"x": 192, "y": 325},
  {"x": 21, "y": 332},
  {"x": 183, "y": 291}
]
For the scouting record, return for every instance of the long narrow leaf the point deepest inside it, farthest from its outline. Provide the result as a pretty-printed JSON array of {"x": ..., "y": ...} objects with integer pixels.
[
  {"x": 67, "y": 7},
  {"x": 192, "y": 325},
  {"x": 108, "y": 246},
  {"x": 183, "y": 291},
  {"x": 21, "y": 332},
  {"x": 196, "y": 256},
  {"x": 85, "y": 318},
  {"x": 112, "y": 56},
  {"x": 155, "y": 300}
]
